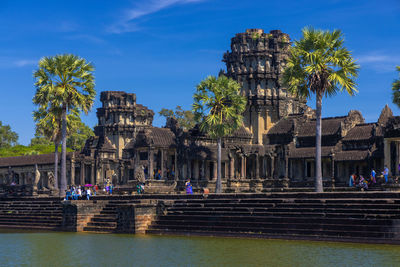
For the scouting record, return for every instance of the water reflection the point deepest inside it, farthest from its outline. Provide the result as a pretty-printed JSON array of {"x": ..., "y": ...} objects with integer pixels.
[{"x": 80, "y": 249}]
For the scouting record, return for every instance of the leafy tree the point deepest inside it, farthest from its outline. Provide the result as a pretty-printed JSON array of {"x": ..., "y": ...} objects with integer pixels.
[
  {"x": 20, "y": 150},
  {"x": 396, "y": 89},
  {"x": 64, "y": 83},
  {"x": 218, "y": 107},
  {"x": 77, "y": 138},
  {"x": 185, "y": 118},
  {"x": 8, "y": 138},
  {"x": 319, "y": 64}
]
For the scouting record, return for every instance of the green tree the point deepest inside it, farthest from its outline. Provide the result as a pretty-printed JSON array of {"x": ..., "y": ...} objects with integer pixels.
[
  {"x": 396, "y": 89},
  {"x": 8, "y": 138},
  {"x": 77, "y": 138},
  {"x": 218, "y": 108},
  {"x": 319, "y": 64},
  {"x": 185, "y": 118},
  {"x": 64, "y": 83}
]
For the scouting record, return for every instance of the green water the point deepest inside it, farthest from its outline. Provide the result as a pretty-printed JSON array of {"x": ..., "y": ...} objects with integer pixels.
[{"x": 77, "y": 249}]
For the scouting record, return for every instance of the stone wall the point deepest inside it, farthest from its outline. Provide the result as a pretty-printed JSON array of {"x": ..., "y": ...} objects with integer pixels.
[{"x": 77, "y": 214}]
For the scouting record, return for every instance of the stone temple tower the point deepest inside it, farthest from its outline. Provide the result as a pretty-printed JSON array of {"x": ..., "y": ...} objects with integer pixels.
[
  {"x": 120, "y": 117},
  {"x": 256, "y": 61}
]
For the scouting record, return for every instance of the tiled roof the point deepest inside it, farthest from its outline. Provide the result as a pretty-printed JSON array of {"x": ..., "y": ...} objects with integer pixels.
[
  {"x": 352, "y": 155},
  {"x": 283, "y": 126},
  {"x": 162, "y": 137},
  {"x": 330, "y": 126},
  {"x": 30, "y": 160},
  {"x": 309, "y": 152},
  {"x": 360, "y": 132},
  {"x": 242, "y": 132}
]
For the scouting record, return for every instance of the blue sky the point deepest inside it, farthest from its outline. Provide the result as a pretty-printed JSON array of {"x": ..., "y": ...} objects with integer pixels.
[{"x": 160, "y": 49}]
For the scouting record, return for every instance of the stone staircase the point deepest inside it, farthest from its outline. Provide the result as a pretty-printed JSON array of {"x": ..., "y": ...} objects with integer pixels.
[
  {"x": 106, "y": 220},
  {"x": 38, "y": 214},
  {"x": 353, "y": 216}
]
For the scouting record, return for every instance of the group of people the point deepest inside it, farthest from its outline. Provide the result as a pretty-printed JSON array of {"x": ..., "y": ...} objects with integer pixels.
[
  {"x": 80, "y": 192},
  {"x": 366, "y": 182}
]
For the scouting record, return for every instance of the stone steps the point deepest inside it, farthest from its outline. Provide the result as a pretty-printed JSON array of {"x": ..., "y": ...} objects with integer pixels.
[
  {"x": 358, "y": 217},
  {"x": 277, "y": 230},
  {"x": 291, "y": 236},
  {"x": 31, "y": 214}
]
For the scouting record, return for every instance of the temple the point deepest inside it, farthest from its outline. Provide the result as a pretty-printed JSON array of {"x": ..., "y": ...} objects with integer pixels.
[{"x": 275, "y": 147}]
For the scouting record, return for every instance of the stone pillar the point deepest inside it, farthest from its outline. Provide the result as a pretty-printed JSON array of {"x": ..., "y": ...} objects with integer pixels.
[
  {"x": 387, "y": 154},
  {"x": 333, "y": 170},
  {"x": 92, "y": 181},
  {"x": 226, "y": 167},
  {"x": 83, "y": 170},
  {"x": 286, "y": 167},
  {"x": 272, "y": 167},
  {"x": 203, "y": 170},
  {"x": 176, "y": 178},
  {"x": 232, "y": 167},
  {"x": 215, "y": 171},
  {"x": 189, "y": 169},
  {"x": 72, "y": 172},
  {"x": 207, "y": 170},
  {"x": 162, "y": 164},
  {"x": 257, "y": 166},
  {"x": 123, "y": 179},
  {"x": 243, "y": 167},
  {"x": 150, "y": 169},
  {"x": 196, "y": 169}
]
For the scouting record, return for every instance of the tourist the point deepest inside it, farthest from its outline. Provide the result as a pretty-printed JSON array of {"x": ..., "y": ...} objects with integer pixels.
[
  {"x": 78, "y": 193},
  {"x": 94, "y": 190},
  {"x": 363, "y": 183},
  {"x": 189, "y": 189},
  {"x": 385, "y": 173},
  {"x": 373, "y": 176},
  {"x": 140, "y": 188},
  {"x": 68, "y": 194},
  {"x": 352, "y": 180},
  {"x": 111, "y": 188},
  {"x": 158, "y": 175},
  {"x": 88, "y": 193}
]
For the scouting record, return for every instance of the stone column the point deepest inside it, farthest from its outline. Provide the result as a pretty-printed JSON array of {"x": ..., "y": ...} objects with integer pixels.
[
  {"x": 83, "y": 170},
  {"x": 387, "y": 154},
  {"x": 189, "y": 169},
  {"x": 243, "y": 167},
  {"x": 273, "y": 167},
  {"x": 333, "y": 170},
  {"x": 92, "y": 181},
  {"x": 162, "y": 164},
  {"x": 151, "y": 167},
  {"x": 72, "y": 172},
  {"x": 176, "y": 178},
  {"x": 196, "y": 169},
  {"x": 122, "y": 173},
  {"x": 203, "y": 170},
  {"x": 232, "y": 167},
  {"x": 257, "y": 166},
  {"x": 226, "y": 167},
  {"x": 207, "y": 170},
  {"x": 215, "y": 171},
  {"x": 286, "y": 167}
]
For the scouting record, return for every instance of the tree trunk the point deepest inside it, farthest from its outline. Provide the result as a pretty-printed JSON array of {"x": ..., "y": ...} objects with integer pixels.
[
  {"x": 318, "y": 171},
  {"x": 56, "y": 165},
  {"x": 218, "y": 187},
  {"x": 63, "y": 185}
]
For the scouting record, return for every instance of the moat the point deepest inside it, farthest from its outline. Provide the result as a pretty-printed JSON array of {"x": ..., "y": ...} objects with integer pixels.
[{"x": 80, "y": 249}]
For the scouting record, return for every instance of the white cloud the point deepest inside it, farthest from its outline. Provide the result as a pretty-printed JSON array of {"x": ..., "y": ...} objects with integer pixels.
[
  {"x": 142, "y": 8},
  {"x": 379, "y": 61},
  {"x": 25, "y": 62}
]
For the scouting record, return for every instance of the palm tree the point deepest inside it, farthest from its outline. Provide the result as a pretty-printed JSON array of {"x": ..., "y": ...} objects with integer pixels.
[
  {"x": 396, "y": 89},
  {"x": 64, "y": 82},
  {"x": 218, "y": 107},
  {"x": 320, "y": 64},
  {"x": 48, "y": 124}
]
